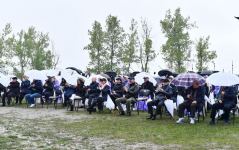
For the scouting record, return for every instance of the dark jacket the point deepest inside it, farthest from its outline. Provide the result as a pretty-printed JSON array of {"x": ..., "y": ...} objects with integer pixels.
[
  {"x": 38, "y": 88},
  {"x": 2, "y": 88},
  {"x": 80, "y": 90},
  {"x": 199, "y": 93},
  {"x": 149, "y": 86},
  {"x": 119, "y": 90},
  {"x": 230, "y": 95},
  {"x": 25, "y": 85},
  {"x": 14, "y": 87},
  {"x": 104, "y": 92},
  {"x": 132, "y": 91},
  {"x": 167, "y": 93},
  {"x": 93, "y": 89},
  {"x": 49, "y": 87}
]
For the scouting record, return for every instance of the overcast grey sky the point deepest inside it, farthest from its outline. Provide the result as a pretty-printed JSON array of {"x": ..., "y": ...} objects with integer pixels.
[{"x": 68, "y": 21}]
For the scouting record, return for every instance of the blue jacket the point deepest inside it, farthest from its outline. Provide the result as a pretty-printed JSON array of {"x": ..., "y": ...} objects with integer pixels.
[
  {"x": 38, "y": 88},
  {"x": 94, "y": 91},
  {"x": 25, "y": 85}
]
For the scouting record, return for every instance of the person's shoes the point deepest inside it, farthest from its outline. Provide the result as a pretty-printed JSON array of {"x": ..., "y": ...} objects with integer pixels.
[
  {"x": 154, "y": 117},
  {"x": 180, "y": 121},
  {"x": 212, "y": 122},
  {"x": 150, "y": 117},
  {"x": 122, "y": 113},
  {"x": 192, "y": 121},
  {"x": 32, "y": 105}
]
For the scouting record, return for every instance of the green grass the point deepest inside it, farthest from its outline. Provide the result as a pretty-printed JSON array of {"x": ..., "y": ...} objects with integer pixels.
[{"x": 163, "y": 132}]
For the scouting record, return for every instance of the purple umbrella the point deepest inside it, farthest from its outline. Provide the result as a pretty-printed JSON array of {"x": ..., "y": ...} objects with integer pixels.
[{"x": 186, "y": 79}]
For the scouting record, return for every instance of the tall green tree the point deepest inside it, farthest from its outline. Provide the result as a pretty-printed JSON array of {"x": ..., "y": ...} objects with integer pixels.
[
  {"x": 177, "y": 49},
  {"x": 130, "y": 51},
  {"x": 114, "y": 37},
  {"x": 147, "y": 54},
  {"x": 6, "y": 43},
  {"x": 204, "y": 55},
  {"x": 96, "y": 51},
  {"x": 31, "y": 50}
]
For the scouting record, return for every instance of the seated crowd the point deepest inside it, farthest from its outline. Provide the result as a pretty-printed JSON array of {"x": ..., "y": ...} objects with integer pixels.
[{"x": 123, "y": 90}]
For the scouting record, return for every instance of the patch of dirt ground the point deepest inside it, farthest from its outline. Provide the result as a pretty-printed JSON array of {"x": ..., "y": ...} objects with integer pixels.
[{"x": 34, "y": 129}]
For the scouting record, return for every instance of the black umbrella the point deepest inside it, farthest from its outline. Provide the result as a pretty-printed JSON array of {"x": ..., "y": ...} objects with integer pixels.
[
  {"x": 134, "y": 74},
  {"x": 75, "y": 69},
  {"x": 237, "y": 17},
  {"x": 205, "y": 73},
  {"x": 105, "y": 76},
  {"x": 165, "y": 72},
  {"x": 112, "y": 74}
]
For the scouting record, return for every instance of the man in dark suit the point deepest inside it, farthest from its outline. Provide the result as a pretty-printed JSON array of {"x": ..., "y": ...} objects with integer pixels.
[
  {"x": 228, "y": 100},
  {"x": 13, "y": 90},
  {"x": 193, "y": 101}
]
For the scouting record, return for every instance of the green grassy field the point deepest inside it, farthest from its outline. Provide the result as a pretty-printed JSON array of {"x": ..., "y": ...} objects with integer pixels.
[
  {"x": 79, "y": 130},
  {"x": 162, "y": 131}
]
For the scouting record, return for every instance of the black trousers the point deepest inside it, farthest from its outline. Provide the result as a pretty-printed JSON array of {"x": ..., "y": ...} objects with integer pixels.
[
  {"x": 9, "y": 96},
  {"x": 226, "y": 107},
  {"x": 47, "y": 95},
  {"x": 21, "y": 96},
  {"x": 96, "y": 101},
  {"x": 191, "y": 107}
]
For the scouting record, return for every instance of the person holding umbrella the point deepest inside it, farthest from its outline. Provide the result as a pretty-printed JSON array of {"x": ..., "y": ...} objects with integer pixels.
[
  {"x": 194, "y": 100},
  {"x": 228, "y": 100}
]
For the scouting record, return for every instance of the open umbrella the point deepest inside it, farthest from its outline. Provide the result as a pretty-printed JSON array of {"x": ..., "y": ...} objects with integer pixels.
[
  {"x": 4, "y": 80},
  {"x": 223, "y": 79},
  {"x": 36, "y": 74},
  {"x": 165, "y": 72},
  {"x": 111, "y": 74},
  {"x": 105, "y": 76},
  {"x": 139, "y": 78},
  {"x": 75, "y": 69},
  {"x": 186, "y": 79}
]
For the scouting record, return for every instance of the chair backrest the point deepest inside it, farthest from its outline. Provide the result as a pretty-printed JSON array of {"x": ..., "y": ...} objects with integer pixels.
[{"x": 144, "y": 92}]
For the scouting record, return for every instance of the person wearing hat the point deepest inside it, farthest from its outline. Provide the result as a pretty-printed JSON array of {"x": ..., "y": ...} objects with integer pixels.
[
  {"x": 130, "y": 97},
  {"x": 147, "y": 85},
  {"x": 117, "y": 90},
  {"x": 164, "y": 91},
  {"x": 13, "y": 90},
  {"x": 24, "y": 89}
]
